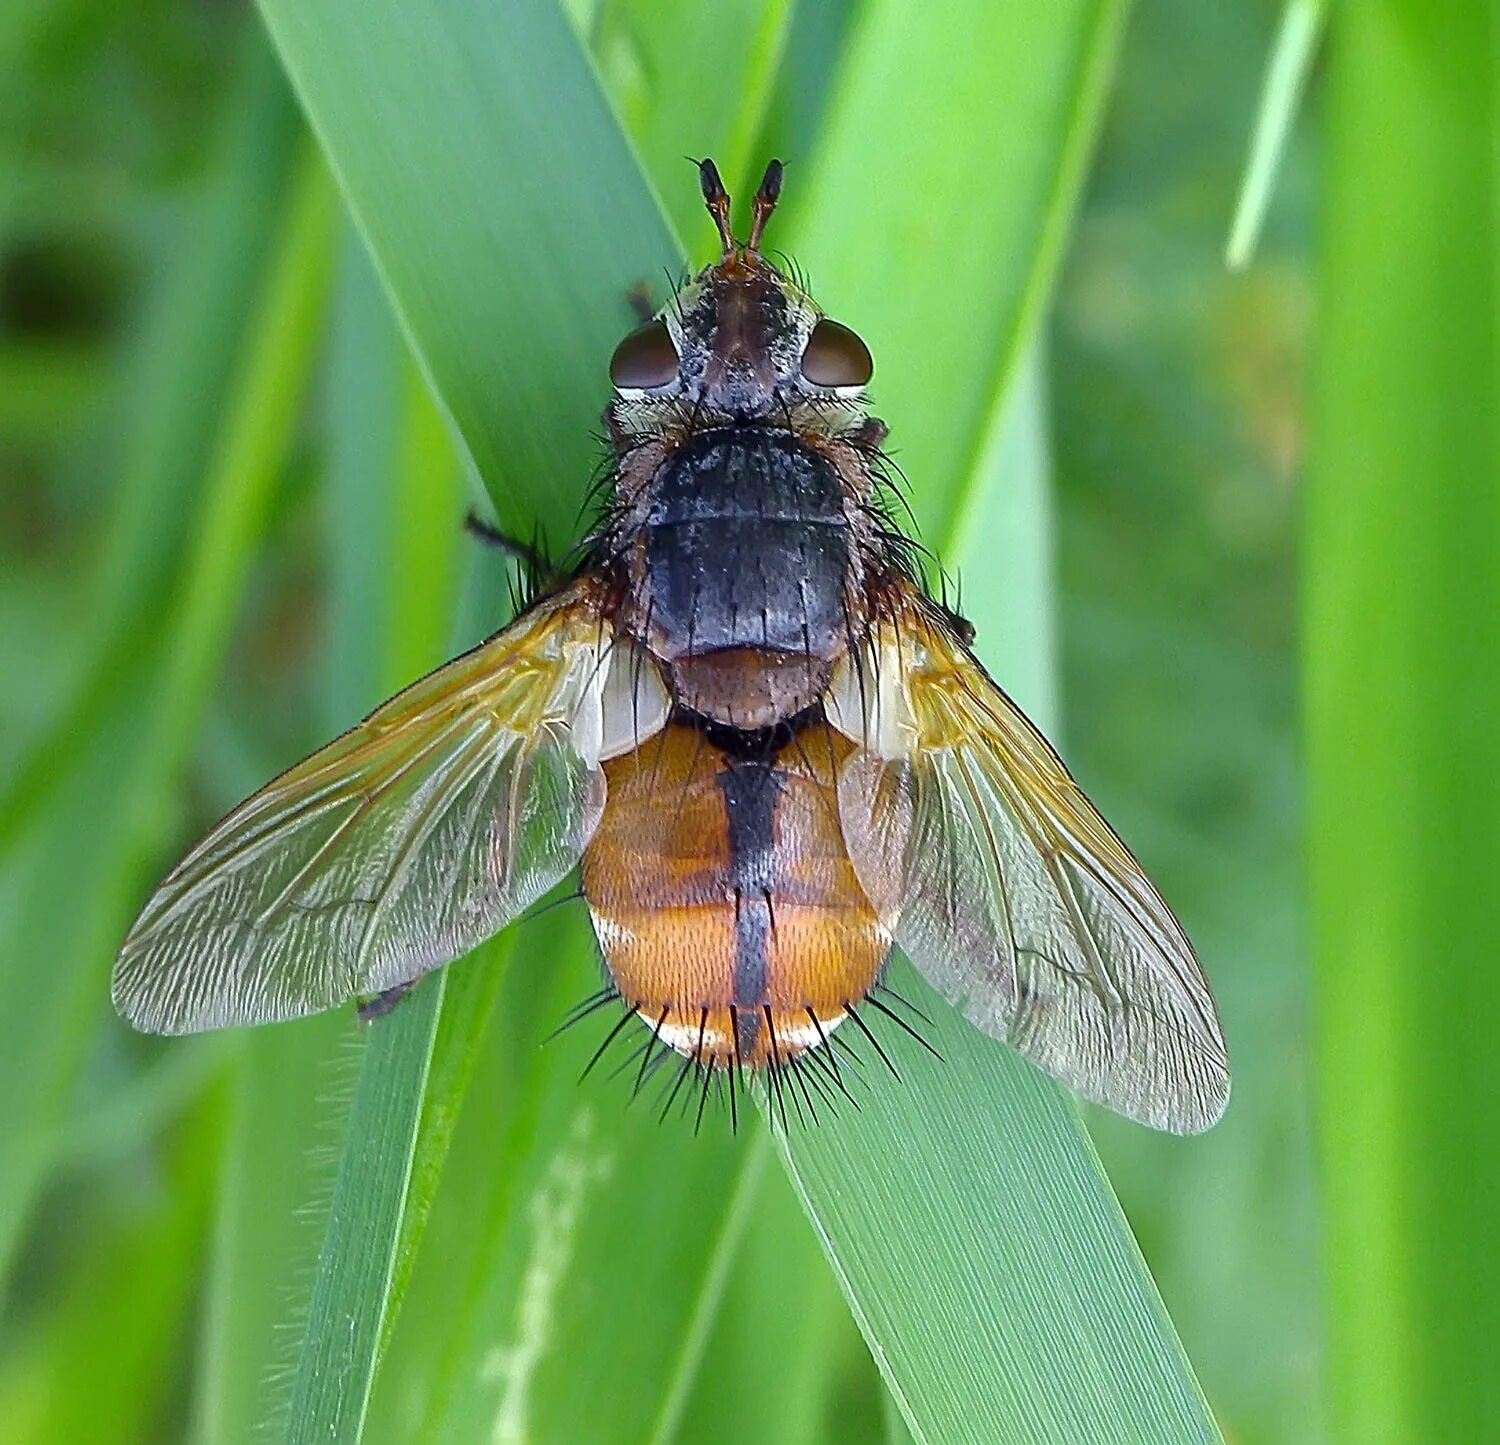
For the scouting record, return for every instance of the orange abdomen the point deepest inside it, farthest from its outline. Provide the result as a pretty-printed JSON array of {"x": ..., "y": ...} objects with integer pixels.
[{"x": 724, "y": 899}]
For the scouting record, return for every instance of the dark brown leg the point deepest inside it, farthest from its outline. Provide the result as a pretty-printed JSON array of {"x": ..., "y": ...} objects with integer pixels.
[
  {"x": 380, "y": 1004},
  {"x": 525, "y": 553}
]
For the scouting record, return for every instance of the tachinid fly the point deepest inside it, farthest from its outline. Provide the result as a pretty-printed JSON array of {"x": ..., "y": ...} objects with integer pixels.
[{"x": 773, "y": 755}]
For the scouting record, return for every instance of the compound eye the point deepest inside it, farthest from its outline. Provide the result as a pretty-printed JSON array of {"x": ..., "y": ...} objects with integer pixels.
[
  {"x": 835, "y": 356},
  {"x": 644, "y": 359}
]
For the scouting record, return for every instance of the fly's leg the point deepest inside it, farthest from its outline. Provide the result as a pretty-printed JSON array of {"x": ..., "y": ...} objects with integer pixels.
[
  {"x": 528, "y": 554},
  {"x": 380, "y": 1004}
]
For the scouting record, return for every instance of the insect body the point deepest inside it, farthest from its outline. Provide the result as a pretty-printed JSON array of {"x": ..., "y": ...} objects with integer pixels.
[{"x": 772, "y": 754}]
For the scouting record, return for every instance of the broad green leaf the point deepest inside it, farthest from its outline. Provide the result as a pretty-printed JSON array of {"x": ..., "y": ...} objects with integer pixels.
[
  {"x": 1401, "y": 649},
  {"x": 467, "y": 214}
]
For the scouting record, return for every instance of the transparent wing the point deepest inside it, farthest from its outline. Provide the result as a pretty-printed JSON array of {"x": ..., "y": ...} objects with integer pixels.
[
  {"x": 394, "y": 849},
  {"x": 1010, "y": 893}
]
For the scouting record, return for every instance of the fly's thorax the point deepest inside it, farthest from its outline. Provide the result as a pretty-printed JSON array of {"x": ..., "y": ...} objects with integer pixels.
[
  {"x": 743, "y": 517},
  {"x": 743, "y": 554}
]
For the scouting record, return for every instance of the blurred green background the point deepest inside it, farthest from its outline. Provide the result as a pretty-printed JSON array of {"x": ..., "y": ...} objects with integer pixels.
[{"x": 230, "y": 521}]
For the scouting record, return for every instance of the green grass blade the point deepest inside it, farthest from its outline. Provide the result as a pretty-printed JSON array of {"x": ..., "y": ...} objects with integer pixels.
[
  {"x": 1401, "y": 647},
  {"x": 289, "y": 1092},
  {"x": 1038, "y": 1320},
  {"x": 1010, "y": 1302},
  {"x": 433, "y": 216},
  {"x": 75, "y": 884},
  {"x": 467, "y": 238},
  {"x": 293, "y": 1085},
  {"x": 346, "y": 1316},
  {"x": 1292, "y": 56},
  {"x": 651, "y": 57}
]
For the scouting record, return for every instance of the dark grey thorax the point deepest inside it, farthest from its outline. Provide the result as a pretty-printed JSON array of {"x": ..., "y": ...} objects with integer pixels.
[{"x": 747, "y": 546}]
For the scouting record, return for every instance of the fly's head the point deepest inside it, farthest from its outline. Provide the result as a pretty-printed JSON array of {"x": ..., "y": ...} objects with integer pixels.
[{"x": 740, "y": 345}]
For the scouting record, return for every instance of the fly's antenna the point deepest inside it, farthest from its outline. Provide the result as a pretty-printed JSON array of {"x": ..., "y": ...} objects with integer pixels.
[
  {"x": 763, "y": 204},
  {"x": 716, "y": 198}
]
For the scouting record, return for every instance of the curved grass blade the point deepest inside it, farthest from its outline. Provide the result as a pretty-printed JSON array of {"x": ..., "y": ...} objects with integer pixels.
[
  {"x": 1292, "y": 56},
  {"x": 467, "y": 214},
  {"x": 351, "y": 1292},
  {"x": 431, "y": 225},
  {"x": 391, "y": 520},
  {"x": 1038, "y": 1319}
]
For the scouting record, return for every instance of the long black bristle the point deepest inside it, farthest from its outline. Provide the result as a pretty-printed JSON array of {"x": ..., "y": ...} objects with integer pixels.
[
  {"x": 900, "y": 998},
  {"x": 582, "y": 1010},
  {"x": 774, "y": 1066},
  {"x": 839, "y": 1044},
  {"x": 827, "y": 1059},
  {"x": 637, "y": 1055},
  {"x": 802, "y": 1074},
  {"x": 798, "y": 1082},
  {"x": 609, "y": 1038},
  {"x": 689, "y": 1062},
  {"x": 651, "y": 1042},
  {"x": 864, "y": 1028},
  {"x": 708, "y": 1077},
  {"x": 900, "y": 1022}
]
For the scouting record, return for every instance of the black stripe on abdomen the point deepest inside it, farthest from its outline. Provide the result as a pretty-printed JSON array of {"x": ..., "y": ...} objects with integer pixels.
[{"x": 751, "y": 791}]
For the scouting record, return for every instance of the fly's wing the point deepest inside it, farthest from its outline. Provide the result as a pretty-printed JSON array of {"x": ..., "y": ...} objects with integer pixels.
[
  {"x": 1007, "y": 889},
  {"x": 398, "y": 847}
]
